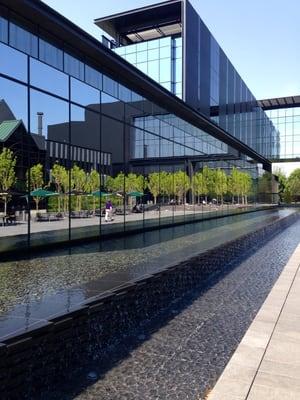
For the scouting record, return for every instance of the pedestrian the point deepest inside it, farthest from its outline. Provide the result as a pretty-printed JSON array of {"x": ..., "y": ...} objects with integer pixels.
[{"x": 108, "y": 211}]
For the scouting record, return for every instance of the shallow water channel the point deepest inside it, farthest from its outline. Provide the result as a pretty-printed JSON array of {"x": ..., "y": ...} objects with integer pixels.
[
  {"x": 181, "y": 354},
  {"x": 52, "y": 273}
]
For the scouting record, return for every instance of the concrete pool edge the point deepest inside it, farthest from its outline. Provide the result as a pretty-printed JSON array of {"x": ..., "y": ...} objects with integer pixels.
[
  {"x": 263, "y": 364},
  {"x": 31, "y": 360}
]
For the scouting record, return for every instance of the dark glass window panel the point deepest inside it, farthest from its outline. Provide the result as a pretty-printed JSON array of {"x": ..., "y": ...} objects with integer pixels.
[
  {"x": 3, "y": 30},
  {"x": 93, "y": 77},
  {"x": 85, "y": 95},
  {"x": 110, "y": 86},
  {"x": 166, "y": 148},
  {"x": 85, "y": 135},
  {"x": 125, "y": 94},
  {"x": 151, "y": 145},
  {"x": 48, "y": 78},
  {"x": 112, "y": 140},
  {"x": 51, "y": 54},
  {"x": 13, "y": 101},
  {"x": 73, "y": 66},
  {"x": 55, "y": 116},
  {"x": 137, "y": 143},
  {"x": 23, "y": 40},
  {"x": 111, "y": 106},
  {"x": 13, "y": 63}
]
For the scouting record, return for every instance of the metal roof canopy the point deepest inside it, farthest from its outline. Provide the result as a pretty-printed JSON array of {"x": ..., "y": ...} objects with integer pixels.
[
  {"x": 279, "y": 102},
  {"x": 143, "y": 23}
]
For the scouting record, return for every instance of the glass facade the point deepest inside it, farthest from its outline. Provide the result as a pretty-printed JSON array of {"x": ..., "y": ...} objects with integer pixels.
[
  {"x": 192, "y": 65},
  {"x": 160, "y": 59},
  {"x": 287, "y": 124},
  {"x": 75, "y": 138}
]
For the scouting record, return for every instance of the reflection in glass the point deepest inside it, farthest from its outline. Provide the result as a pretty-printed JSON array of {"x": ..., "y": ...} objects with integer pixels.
[
  {"x": 57, "y": 82},
  {"x": 73, "y": 66},
  {"x": 50, "y": 54},
  {"x": 49, "y": 116},
  {"x": 3, "y": 30},
  {"x": 112, "y": 106},
  {"x": 23, "y": 40},
  {"x": 85, "y": 95},
  {"x": 13, "y": 63},
  {"x": 13, "y": 101},
  {"x": 93, "y": 77}
]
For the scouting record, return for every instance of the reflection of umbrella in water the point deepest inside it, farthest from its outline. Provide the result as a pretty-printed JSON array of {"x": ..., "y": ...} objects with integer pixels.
[
  {"x": 98, "y": 193},
  {"x": 135, "y": 194}
]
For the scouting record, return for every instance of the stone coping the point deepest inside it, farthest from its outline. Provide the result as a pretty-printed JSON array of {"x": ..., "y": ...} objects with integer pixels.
[{"x": 266, "y": 364}]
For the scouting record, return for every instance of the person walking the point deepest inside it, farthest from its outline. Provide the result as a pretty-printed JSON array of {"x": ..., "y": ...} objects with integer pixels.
[{"x": 108, "y": 211}]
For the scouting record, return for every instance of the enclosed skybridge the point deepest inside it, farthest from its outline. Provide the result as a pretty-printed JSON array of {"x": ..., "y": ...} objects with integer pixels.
[
  {"x": 284, "y": 112},
  {"x": 279, "y": 103}
]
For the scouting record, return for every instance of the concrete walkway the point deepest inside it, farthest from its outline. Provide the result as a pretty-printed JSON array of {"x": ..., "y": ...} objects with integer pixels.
[{"x": 266, "y": 364}]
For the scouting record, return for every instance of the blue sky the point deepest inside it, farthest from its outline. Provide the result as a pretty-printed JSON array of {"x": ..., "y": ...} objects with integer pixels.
[{"x": 260, "y": 37}]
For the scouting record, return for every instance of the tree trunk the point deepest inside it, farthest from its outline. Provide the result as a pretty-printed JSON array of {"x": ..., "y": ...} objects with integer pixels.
[{"x": 5, "y": 205}]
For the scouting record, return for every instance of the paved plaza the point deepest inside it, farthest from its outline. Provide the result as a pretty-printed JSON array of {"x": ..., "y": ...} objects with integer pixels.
[{"x": 266, "y": 364}]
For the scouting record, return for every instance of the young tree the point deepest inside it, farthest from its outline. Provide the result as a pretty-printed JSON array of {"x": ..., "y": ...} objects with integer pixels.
[
  {"x": 181, "y": 185},
  {"x": 234, "y": 184},
  {"x": 134, "y": 183},
  {"x": 7, "y": 174},
  {"x": 166, "y": 184},
  {"x": 154, "y": 184},
  {"x": 199, "y": 185},
  {"x": 246, "y": 184},
  {"x": 220, "y": 184},
  {"x": 35, "y": 176},
  {"x": 282, "y": 182},
  {"x": 293, "y": 184},
  {"x": 78, "y": 177},
  {"x": 208, "y": 182},
  {"x": 60, "y": 178},
  {"x": 93, "y": 184},
  {"x": 116, "y": 184}
]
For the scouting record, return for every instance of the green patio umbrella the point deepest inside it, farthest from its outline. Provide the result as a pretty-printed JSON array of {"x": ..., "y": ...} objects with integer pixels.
[
  {"x": 135, "y": 194},
  {"x": 98, "y": 193},
  {"x": 42, "y": 193},
  {"x": 39, "y": 194}
]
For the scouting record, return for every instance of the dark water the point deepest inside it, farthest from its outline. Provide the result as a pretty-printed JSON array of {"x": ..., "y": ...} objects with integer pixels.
[
  {"x": 26, "y": 281},
  {"x": 182, "y": 354}
]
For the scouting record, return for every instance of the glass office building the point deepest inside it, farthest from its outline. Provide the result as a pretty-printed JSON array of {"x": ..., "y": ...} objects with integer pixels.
[
  {"x": 192, "y": 66},
  {"x": 80, "y": 126}
]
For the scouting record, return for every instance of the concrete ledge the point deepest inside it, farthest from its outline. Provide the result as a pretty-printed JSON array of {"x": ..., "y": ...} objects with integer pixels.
[{"x": 266, "y": 364}]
